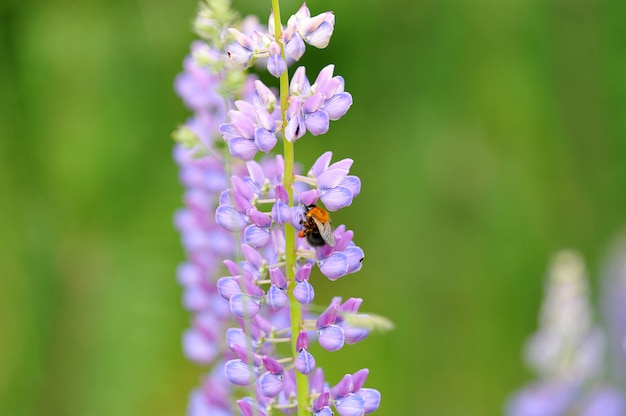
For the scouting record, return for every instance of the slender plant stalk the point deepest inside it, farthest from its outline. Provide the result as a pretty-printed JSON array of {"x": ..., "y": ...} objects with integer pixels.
[{"x": 295, "y": 308}]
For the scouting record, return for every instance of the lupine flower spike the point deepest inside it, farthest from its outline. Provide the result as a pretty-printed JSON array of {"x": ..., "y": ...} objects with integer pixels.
[
  {"x": 256, "y": 226},
  {"x": 568, "y": 351}
]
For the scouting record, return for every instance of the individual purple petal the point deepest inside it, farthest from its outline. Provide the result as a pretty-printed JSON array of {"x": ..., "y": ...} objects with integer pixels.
[
  {"x": 238, "y": 54},
  {"x": 198, "y": 348},
  {"x": 313, "y": 103},
  {"x": 331, "y": 338},
  {"x": 256, "y": 236},
  {"x": 304, "y": 292},
  {"x": 303, "y": 272},
  {"x": 317, "y": 123},
  {"x": 351, "y": 405},
  {"x": 252, "y": 256},
  {"x": 353, "y": 183},
  {"x": 334, "y": 266},
  {"x": 299, "y": 84},
  {"x": 371, "y": 399},
  {"x": 264, "y": 140},
  {"x": 353, "y": 334},
  {"x": 321, "y": 401},
  {"x": 295, "y": 47},
  {"x": 305, "y": 363},
  {"x": 240, "y": 373},
  {"x": 355, "y": 258},
  {"x": 336, "y": 198},
  {"x": 295, "y": 128},
  {"x": 241, "y": 148},
  {"x": 324, "y": 411},
  {"x": 331, "y": 178},
  {"x": 271, "y": 384},
  {"x": 242, "y": 188},
  {"x": 230, "y": 218},
  {"x": 277, "y": 277},
  {"x": 244, "y": 306},
  {"x": 259, "y": 218},
  {"x": 317, "y": 34},
  {"x": 272, "y": 365},
  {"x": 358, "y": 378},
  {"x": 302, "y": 341},
  {"x": 227, "y": 287},
  {"x": 310, "y": 197},
  {"x": 242, "y": 122},
  {"x": 321, "y": 164},
  {"x": 281, "y": 212},
  {"x": 248, "y": 408},
  {"x": 236, "y": 336},
  {"x": 276, "y": 298},
  {"x": 343, "y": 388},
  {"x": 275, "y": 64},
  {"x": 338, "y": 105}
]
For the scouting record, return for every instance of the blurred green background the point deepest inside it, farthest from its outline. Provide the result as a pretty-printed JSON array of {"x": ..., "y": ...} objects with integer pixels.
[{"x": 487, "y": 134}]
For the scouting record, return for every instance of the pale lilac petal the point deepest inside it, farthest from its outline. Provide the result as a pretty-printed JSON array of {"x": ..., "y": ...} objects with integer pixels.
[
  {"x": 230, "y": 218},
  {"x": 271, "y": 384},
  {"x": 336, "y": 198},
  {"x": 351, "y": 405},
  {"x": 320, "y": 38},
  {"x": 317, "y": 123},
  {"x": 331, "y": 178},
  {"x": 352, "y": 334},
  {"x": 304, "y": 292},
  {"x": 244, "y": 306},
  {"x": 337, "y": 106},
  {"x": 275, "y": 64},
  {"x": 358, "y": 378},
  {"x": 228, "y": 131},
  {"x": 295, "y": 128},
  {"x": 264, "y": 140},
  {"x": 259, "y": 218},
  {"x": 295, "y": 47},
  {"x": 310, "y": 197},
  {"x": 227, "y": 287},
  {"x": 334, "y": 266},
  {"x": 355, "y": 258},
  {"x": 276, "y": 298},
  {"x": 299, "y": 84},
  {"x": 236, "y": 336},
  {"x": 238, "y": 54},
  {"x": 243, "y": 123},
  {"x": 353, "y": 183},
  {"x": 331, "y": 338},
  {"x": 305, "y": 362},
  {"x": 240, "y": 373},
  {"x": 303, "y": 272},
  {"x": 256, "y": 236},
  {"x": 314, "y": 102},
  {"x": 321, "y": 164},
  {"x": 241, "y": 148},
  {"x": 371, "y": 399}
]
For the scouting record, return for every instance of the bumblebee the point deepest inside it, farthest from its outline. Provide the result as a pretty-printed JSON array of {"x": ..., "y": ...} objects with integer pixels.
[{"x": 316, "y": 227}]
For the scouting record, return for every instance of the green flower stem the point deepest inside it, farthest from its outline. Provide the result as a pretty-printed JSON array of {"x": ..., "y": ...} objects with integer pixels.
[{"x": 295, "y": 309}]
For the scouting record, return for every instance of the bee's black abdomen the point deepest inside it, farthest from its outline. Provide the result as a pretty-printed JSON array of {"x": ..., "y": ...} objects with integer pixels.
[{"x": 315, "y": 239}]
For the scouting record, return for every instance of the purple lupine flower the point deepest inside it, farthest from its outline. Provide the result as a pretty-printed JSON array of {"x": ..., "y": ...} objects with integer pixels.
[
  {"x": 248, "y": 46},
  {"x": 311, "y": 107},
  {"x": 240, "y": 222}
]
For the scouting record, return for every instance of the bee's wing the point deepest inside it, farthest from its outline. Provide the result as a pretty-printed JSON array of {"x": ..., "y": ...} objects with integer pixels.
[{"x": 325, "y": 231}]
